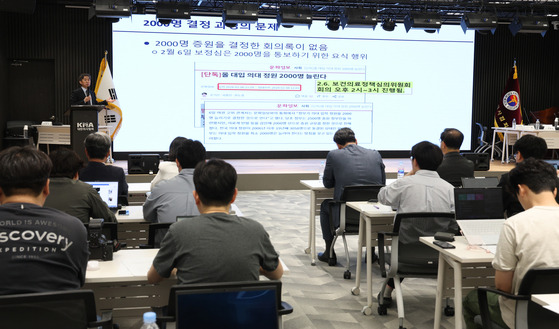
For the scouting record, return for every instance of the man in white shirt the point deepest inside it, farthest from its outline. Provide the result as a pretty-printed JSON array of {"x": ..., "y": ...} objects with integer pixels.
[
  {"x": 421, "y": 190},
  {"x": 528, "y": 239}
]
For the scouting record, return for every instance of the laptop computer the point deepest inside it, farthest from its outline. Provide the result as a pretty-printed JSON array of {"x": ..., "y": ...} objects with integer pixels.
[
  {"x": 227, "y": 306},
  {"x": 108, "y": 192},
  {"x": 480, "y": 215},
  {"x": 470, "y": 182}
]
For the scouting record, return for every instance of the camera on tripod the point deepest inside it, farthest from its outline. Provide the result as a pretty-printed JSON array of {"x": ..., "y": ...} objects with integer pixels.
[{"x": 99, "y": 246}]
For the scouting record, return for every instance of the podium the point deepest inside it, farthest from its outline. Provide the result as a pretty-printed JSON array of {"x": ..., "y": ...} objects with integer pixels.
[{"x": 83, "y": 121}]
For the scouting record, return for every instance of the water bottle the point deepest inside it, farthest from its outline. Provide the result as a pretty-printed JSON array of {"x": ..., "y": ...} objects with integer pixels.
[
  {"x": 537, "y": 123},
  {"x": 149, "y": 321},
  {"x": 556, "y": 123},
  {"x": 25, "y": 131},
  {"x": 321, "y": 170},
  {"x": 513, "y": 123},
  {"x": 401, "y": 170}
]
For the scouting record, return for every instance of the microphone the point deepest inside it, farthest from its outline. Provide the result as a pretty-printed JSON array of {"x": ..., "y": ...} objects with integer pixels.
[{"x": 87, "y": 92}]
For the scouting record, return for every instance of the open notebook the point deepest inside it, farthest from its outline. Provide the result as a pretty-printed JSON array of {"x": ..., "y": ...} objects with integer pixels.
[{"x": 479, "y": 213}]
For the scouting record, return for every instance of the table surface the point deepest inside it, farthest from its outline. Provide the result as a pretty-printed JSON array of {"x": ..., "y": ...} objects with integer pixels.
[
  {"x": 129, "y": 265},
  {"x": 463, "y": 253},
  {"x": 316, "y": 184},
  {"x": 545, "y": 299},
  {"x": 371, "y": 209},
  {"x": 136, "y": 214}
]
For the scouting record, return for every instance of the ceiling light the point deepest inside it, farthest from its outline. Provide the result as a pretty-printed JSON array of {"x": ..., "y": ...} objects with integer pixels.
[
  {"x": 479, "y": 22},
  {"x": 167, "y": 11},
  {"x": 388, "y": 24},
  {"x": 423, "y": 21},
  {"x": 110, "y": 9},
  {"x": 289, "y": 17},
  {"x": 333, "y": 23},
  {"x": 529, "y": 24},
  {"x": 234, "y": 13},
  {"x": 359, "y": 17}
]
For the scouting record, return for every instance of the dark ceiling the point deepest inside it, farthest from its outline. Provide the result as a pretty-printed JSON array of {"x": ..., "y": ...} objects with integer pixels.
[{"x": 450, "y": 10}]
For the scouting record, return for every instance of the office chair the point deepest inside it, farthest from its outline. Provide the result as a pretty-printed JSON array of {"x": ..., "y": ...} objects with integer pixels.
[
  {"x": 156, "y": 232},
  {"x": 349, "y": 218},
  {"x": 528, "y": 314},
  {"x": 245, "y": 304},
  {"x": 409, "y": 257},
  {"x": 73, "y": 309}
]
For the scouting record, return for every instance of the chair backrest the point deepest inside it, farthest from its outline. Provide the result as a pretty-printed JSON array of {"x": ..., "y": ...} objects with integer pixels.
[
  {"x": 156, "y": 232},
  {"x": 247, "y": 304},
  {"x": 357, "y": 193},
  {"x": 411, "y": 226},
  {"x": 540, "y": 281},
  {"x": 61, "y": 309}
]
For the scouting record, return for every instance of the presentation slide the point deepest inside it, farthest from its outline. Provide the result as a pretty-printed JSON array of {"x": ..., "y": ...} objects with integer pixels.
[{"x": 260, "y": 87}]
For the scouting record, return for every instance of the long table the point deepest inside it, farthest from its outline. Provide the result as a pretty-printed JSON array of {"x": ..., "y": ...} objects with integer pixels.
[
  {"x": 472, "y": 268},
  {"x": 121, "y": 284},
  {"x": 374, "y": 218},
  {"x": 510, "y": 135}
]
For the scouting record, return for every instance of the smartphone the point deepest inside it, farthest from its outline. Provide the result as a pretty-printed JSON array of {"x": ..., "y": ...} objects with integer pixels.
[
  {"x": 444, "y": 245},
  {"x": 123, "y": 212}
]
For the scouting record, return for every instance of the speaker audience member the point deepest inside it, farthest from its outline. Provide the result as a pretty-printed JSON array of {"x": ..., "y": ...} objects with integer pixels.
[
  {"x": 71, "y": 195},
  {"x": 85, "y": 96},
  {"x": 349, "y": 164},
  {"x": 421, "y": 190},
  {"x": 527, "y": 146},
  {"x": 168, "y": 169},
  {"x": 216, "y": 246},
  {"x": 97, "y": 149},
  {"x": 528, "y": 239},
  {"x": 173, "y": 197},
  {"x": 43, "y": 249},
  {"x": 454, "y": 166}
]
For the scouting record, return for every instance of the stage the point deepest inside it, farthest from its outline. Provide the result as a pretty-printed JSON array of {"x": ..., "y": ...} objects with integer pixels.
[{"x": 285, "y": 174}]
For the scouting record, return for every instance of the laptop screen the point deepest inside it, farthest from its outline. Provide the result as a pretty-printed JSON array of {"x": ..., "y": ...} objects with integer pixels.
[
  {"x": 478, "y": 203},
  {"x": 469, "y": 182},
  {"x": 108, "y": 192},
  {"x": 227, "y": 307}
]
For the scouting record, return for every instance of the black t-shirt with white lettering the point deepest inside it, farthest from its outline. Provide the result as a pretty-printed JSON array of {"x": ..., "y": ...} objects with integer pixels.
[{"x": 41, "y": 249}]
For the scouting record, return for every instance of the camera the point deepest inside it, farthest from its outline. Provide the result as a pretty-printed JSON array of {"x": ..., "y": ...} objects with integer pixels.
[{"x": 99, "y": 246}]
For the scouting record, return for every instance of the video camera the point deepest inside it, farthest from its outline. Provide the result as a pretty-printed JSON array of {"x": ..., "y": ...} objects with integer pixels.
[{"x": 99, "y": 246}]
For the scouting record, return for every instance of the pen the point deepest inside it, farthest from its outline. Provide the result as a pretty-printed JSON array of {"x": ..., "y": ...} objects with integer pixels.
[{"x": 376, "y": 207}]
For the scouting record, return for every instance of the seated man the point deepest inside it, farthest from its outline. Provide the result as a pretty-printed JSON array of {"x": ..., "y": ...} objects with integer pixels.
[
  {"x": 42, "y": 249},
  {"x": 173, "y": 197},
  {"x": 349, "y": 164},
  {"x": 454, "y": 166},
  {"x": 527, "y": 146},
  {"x": 97, "y": 150},
  {"x": 421, "y": 190},
  {"x": 216, "y": 246},
  {"x": 528, "y": 239},
  {"x": 168, "y": 169},
  {"x": 69, "y": 194}
]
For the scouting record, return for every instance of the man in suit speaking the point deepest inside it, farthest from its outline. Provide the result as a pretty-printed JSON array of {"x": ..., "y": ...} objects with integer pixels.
[
  {"x": 85, "y": 96},
  {"x": 349, "y": 164}
]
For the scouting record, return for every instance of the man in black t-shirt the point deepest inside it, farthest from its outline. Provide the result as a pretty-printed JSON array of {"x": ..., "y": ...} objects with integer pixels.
[{"x": 41, "y": 249}]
